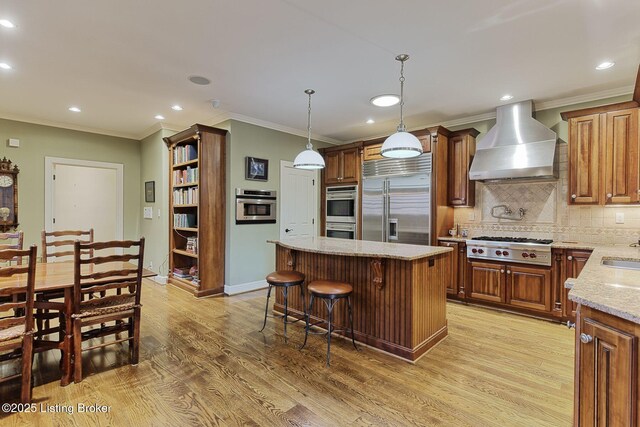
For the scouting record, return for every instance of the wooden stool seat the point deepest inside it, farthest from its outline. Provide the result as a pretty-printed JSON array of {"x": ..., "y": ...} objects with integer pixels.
[
  {"x": 285, "y": 277},
  {"x": 330, "y": 288},
  {"x": 330, "y": 292}
]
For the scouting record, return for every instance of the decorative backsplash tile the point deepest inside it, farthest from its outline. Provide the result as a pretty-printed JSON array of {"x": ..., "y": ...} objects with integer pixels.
[
  {"x": 548, "y": 214},
  {"x": 537, "y": 199}
]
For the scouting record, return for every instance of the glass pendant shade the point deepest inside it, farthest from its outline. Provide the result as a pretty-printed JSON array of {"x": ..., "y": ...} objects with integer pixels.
[
  {"x": 309, "y": 159},
  {"x": 401, "y": 145}
]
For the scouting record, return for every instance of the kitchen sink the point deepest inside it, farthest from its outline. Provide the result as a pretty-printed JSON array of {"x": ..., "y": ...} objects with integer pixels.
[{"x": 629, "y": 264}]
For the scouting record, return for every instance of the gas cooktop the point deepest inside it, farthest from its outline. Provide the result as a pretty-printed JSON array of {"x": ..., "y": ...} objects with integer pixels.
[{"x": 513, "y": 240}]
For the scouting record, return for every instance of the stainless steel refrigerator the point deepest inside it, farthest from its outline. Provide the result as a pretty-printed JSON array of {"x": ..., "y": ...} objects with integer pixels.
[{"x": 396, "y": 200}]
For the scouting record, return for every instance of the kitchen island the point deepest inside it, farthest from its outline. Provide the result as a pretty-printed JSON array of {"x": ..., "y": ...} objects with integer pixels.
[{"x": 399, "y": 294}]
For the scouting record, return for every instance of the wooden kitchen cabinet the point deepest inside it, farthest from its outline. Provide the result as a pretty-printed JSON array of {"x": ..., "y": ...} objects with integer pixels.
[
  {"x": 341, "y": 165},
  {"x": 372, "y": 152},
  {"x": 584, "y": 159},
  {"x": 529, "y": 287},
  {"x": 462, "y": 148},
  {"x": 487, "y": 281},
  {"x": 574, "y": 263},
  {"x": 603, "y": 154},
  {"x": 457, "y": 267},
  {"x": 620, "y": 151},
  {"x": 606, "y": 370}
]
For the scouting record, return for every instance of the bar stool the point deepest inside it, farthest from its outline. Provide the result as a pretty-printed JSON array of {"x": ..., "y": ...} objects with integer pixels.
[
  {"x": 330, "y": 291},
  {"x": 284, "y": 279}
]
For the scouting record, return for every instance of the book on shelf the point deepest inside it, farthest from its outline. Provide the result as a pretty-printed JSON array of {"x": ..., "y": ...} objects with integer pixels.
[
  {"x": 187, "y": 196},
  {"x": 184, "y": 153},
  {"x": 184, "y": 220},
  {"x": 185, "y": 176}
]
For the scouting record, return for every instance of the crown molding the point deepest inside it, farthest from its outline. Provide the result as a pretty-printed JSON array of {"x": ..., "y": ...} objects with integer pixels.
[
  {"x": 538, "y": 106},
  {"x": 158, "y": 126},
  {"x": 62, "y": 125}
]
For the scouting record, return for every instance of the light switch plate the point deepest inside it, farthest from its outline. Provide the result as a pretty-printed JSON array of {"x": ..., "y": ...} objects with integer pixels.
[
  {"x": 472, "y": 216},
  {"x": 148, "y": 213},
  {"x": 619, "y": 217}
]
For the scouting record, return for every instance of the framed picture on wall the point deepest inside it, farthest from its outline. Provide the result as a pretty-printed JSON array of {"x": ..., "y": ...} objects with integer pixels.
[
  {"x": 150, "y": 191},
  {"x": 256, "y": 169}
]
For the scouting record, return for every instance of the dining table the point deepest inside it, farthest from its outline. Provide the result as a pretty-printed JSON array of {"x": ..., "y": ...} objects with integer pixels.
[{"x": 57, "y": 277}]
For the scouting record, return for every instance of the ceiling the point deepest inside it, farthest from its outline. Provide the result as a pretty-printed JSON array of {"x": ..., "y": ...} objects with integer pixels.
[{"x": 123, "y": 62}]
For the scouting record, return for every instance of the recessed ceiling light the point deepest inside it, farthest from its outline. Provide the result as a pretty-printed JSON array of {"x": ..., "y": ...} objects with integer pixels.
[
  {"x": 159, "y": 117},
  {"x": 506, "y": 97},
  {"x": 5, "y": 66},
  {"x": 604, "y": 65},
  {"x": 199, "y": 80},
  {"x": 385, "y": 100},
  {"x": 75, "y": 109},
  {"x": 6, "y": 23},
  {"x": 370, "y": 121},
  {"x": 176, "y": 108}
]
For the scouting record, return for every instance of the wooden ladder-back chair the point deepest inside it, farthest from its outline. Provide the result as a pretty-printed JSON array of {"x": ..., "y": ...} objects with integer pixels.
[
  {"x": 57, "y": 245},
  {"x": 115, "y": 289},
  {"x": 16, "y": 315},
  {"x": 15, "y": 242}
]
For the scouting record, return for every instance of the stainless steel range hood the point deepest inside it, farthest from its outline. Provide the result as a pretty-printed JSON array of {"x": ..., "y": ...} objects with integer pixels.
[{"x": 517, "y": 147}]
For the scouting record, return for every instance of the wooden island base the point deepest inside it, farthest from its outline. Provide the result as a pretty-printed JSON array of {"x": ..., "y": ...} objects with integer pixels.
[{"x": 399, "y": 305}]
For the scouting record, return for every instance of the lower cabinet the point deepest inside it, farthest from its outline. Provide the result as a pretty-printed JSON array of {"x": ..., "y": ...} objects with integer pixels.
[
  {"x": 457, "y": 267},
  {"x": 606, "y": 370},
  {"x": 574, "y": 259},
  {"x": 516, "y": 286},
  {"x": 486, "y": 281}
]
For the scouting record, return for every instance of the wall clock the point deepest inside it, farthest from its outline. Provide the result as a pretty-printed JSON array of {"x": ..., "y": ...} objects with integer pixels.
[{"x": 8, "y": 195}]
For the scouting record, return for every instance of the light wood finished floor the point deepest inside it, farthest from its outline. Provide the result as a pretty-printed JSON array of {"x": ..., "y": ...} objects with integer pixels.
[{"x": 203, "y": 362}]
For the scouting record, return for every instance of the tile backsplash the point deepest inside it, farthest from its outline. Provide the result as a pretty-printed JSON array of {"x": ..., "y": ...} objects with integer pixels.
[{"x": 547, "y": 213}]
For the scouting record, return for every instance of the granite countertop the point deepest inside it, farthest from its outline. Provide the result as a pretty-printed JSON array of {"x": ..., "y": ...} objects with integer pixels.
[
  {"x": 453, "y": 239},
  {"x": 612, "y": 290},
  {"x": 361, "y": 248}
]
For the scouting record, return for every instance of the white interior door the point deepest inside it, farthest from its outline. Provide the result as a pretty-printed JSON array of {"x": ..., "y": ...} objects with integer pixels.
[
  {"x": 298, "y": 201},
  {"x": 83, "y": 195}
]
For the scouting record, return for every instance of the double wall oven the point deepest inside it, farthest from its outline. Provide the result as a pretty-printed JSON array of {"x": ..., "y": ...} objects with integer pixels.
[{"x": 341, "y": 211}]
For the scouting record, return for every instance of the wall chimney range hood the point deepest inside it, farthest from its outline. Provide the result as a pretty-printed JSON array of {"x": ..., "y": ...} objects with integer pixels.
[{"x": 517, "y": 147}]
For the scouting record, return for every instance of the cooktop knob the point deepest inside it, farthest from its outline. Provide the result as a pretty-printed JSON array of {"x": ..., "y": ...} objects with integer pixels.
[
  {"x": 480, "y": 251},
  {"x": 525, "y": 255},
  {"x": 498, "y": 252},
  {"x": 474, "y": 250},
  {"x": 532, "y": 255},
  {"x": 505, "y": 253}
]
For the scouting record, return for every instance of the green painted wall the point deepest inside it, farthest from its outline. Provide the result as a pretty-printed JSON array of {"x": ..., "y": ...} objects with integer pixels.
[
  {"x": 154, "y": 164},
  {"x": 249, "y": 257},
  {"x": 37, "y": 141}
]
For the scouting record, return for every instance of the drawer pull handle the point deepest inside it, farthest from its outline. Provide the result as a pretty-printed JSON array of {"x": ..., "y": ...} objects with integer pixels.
[
  {"x": 570, "y": 258},
  {"x": 573, "y": 196}
]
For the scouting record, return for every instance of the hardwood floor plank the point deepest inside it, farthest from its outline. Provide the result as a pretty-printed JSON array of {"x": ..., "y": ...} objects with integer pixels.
[{"x": 203, "y": 362}]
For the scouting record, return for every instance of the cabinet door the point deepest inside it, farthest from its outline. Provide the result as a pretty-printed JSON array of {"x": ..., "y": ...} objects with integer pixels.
[
  {"x": 529, "y": 287},
  {"x": 584, "y": 159},
  {"x": 332, "y": 172},
  {"x": 350, "y": 165},
  {"x": 462, "y": 269},
  {"x": 608, "y": 379},
  {"x": 452, "y": 279},
  {"x": 575, "y": 261},
  {"x": 460, "y": 188},
  {"x": 372, "y": 152},
  {"x": 621, "y": 156},
  {"x": 486, "y": 281}
]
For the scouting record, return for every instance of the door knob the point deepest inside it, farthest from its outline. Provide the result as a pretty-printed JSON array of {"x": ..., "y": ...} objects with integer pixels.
[
  {"x": 573, "y": 196},
  {"x": 609, "y": 195},
  {"x": 585, "y": 338},
  {"x": 286, "y": 230},
  {"x": 570, "y": 258},
  {"x": 571, "y": 325}
]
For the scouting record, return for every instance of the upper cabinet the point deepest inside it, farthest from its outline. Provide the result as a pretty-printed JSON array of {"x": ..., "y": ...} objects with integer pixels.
[
  {"x": 342, "y": 165},
  {"x": 603, "y": 154},
  {"x": 462, "y": 148}
]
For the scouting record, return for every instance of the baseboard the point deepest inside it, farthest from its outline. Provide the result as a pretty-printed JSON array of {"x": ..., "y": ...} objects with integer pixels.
[
  {"x": 244, "y": 287},
  {"x": 162, "y": 280}
]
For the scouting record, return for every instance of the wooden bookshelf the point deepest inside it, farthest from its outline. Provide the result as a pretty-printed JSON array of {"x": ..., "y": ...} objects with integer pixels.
[{"x": 197, "y": 175}]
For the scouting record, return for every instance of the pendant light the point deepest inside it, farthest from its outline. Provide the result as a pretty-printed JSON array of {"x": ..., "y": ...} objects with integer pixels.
[
  {"x": 309, "y": 159},
  {"x": 402, "y": 144}
]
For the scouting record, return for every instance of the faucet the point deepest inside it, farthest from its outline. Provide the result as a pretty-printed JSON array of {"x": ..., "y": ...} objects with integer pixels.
[{"x": 522, "y": 212}]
